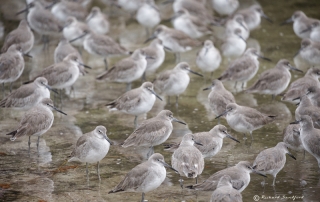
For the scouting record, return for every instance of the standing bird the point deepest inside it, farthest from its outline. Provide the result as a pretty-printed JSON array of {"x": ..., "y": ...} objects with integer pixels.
[
  {"x": 187, "y": 159},
  {"x": 245, "y": 119},
  {"x": 225, "y": 192},
  {"x": 237, "y": 22},
  {"x": 152, "y": 132},
  {"x": 240, "y": 177},
  {"x": 225, "y": 7},
  {"x": 272, "y": 160},
  {"x": 175, "y": 81},
  {"x": 145, "y": 177},
  {"x": 35, "y": 122},
  {"x": 127, "y": 70},
  {"x": 301, "y": 24},
  {"x": 208, "y": 58},
  {"x": 97, "y": 21},
  {"x": 11, "y": 65},
  {"x": 42, "y": 21},
  {"x": 27, "y": 96},
  {"x": 310, "y": 51},
  {"x": 74, "y": 28},
  {"x": 252, "y": 16},
  {"x": 136, "y": 102},
  {"x": 310, "y": 137},
  {"x": 219, "y": 97},
  {"x": 291, "y": 136},
  {"x": 300, "y": 86},
  {"x": 234, "y": 45},
  {"x": 21, "y": 36},
  {"x": 157, "y": 55},
  {"x": 101, "y": 45},
  {"x": 64, "y": 9},
  {"x": 63, "y": 74},
  {"x": 314, "y": 31},
  {"x": 305, "y": 107},
  {"x": 273, "y": 81},
  {"x": 244, "y": 68},
  {"x": 175, "y": 40},
  {"x": 211, "y": 141},
  {"x": 191, "y": 25},
  {"x": 92, "y": 147},
  {"x": 148, "y": 15}
]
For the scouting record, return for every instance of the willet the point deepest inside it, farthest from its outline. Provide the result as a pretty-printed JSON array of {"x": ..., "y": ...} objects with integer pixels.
[
  {"x": 245, "y": 119},
  {"x": 237, "y": 22},
  {"x": 175, "y": 81},
  {"x": 156, "y": 51},
  {"x": 310, "y": 137},
  {"x": 252, "y": 16},
  {"x": 127, "y": 70},
  {"x": 300, "y": 86},
  {"x": 271, "y": 161},
  {"x": 21, "y": 36},
  {"x": 136, "y": 102},
  {"x": 152, "y": 132},
  {"x": 101, "y": 45},
  {"x": 11, "y": 65},
  {"x": 219, "y": 97},
  {"x": 195, "y": 8},
  {"x": 27, "y": 96},
  {"x": 64, "y": 9},
  {"x": 244, "y": 68},
  {"x": 130, "y": 5},
  {"x": 291, "y": 136},
  {"x": 37, "y": 121},
  {"x": 63, "y": 74},
  {"x": 64, "y": 49},
  {"x": 234, "y": 44},
  {"x": 148, "y": 15},
  {"x": 42, "y": 21},
  {"x": 313, "y": 94},
  {"x": 191, "y": 25},
  {"x": 175, "y": 40},
  {"x": 91, "y": 147},
  {"x": 314, "y": 31},
  {"x": 74, "y": 28},
  {"x": 187, "y": 159},
  {"x": 225, "y": 7},
  {"x": 98, "y": 21},
  {"x": 145, "y": 177},
  {"x": 301, "y": 23},
  {"x": 309, "y": 51},
  {"x": 305, "y": 107},
  {"x": 208, "y": 58},
  {"x": 211, "y": 141},
  {"x": 240, "y": 177},
  {"x": 273, "y": 81},
  {"x": 225, "y": 192}
]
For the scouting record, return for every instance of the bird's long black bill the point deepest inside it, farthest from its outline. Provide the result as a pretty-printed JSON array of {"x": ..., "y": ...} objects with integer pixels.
[
  {"x": 79, "y": 37},
  {"x": 49, "y": 87},
  {"x": 232, "y": 138},
  {"x": 264, "y": 58},
  {"x": 224, "y": 113},
  {"x": 150, "y": 39},
  {"x": 286, "y": 22},
  {"x": 196, "y": 73},
  {"x": 58, "y": 110},
  {"x": 22, "y": 11},
  {"x": 178, "y": 121},
  {"x": 295, "y": 122},
  {"x": 289, "y": 154},
  {"x": 152, "y": 91},
  {"x": 295, "y": 69},
  {"x": 257, "y": 172},
  {"x": 86, "y": 66},
  {"x": 267, "y": 18},
  {"x": 168, "y": 166}
]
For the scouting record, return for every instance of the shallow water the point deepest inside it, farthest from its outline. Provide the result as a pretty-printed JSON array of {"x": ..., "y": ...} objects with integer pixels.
[{"x": 47, "y": 177}]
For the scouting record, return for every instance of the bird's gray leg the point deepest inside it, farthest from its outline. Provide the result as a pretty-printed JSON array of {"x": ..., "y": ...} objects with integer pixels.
[
  {"x": 10, "y": 87},
  {"x": 251, "y": 135},
  {"x": 135, "y": 121},
  {"x": 128, "y": 86},
  {"x": 168, "y": 99},
  {"x": 150, "y": 152},
  {"x": 181, "y": 182},
  {"x": 29, "y": 142},
  {"x": 272, "y": 97},
  {"x": 242, "y": 86},
  {"x": 87, "y": 172},
  {"x": 98, "y": 171},
  {"x": 177, "y": 56},
  {"x": 245, "y": 137},
  {"x": 143, "y": 78},
  {"x": 142, "y": 197},
  {"x": 3, "y": 90},
  {"x": 105, "y": 63},
  {"x": 38, "y": 143},
  {"x": 274, "y": 180},
  {"x": 197, "y": 180},
  {"x": 147, "y": 32},
  {"x": 219, "y": 120},
  {"x": 235, "y": 85},
  {"x": 177, "y": 99}
]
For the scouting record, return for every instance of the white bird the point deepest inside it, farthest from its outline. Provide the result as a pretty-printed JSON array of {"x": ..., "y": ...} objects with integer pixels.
[
  {"x": 74, "y": 28},
  {"x": 237, "y": 22},
  {"x": 148, "y": 15},
  {"x": 234, "y": 44},
  {"x": 98, "y": 21},
  {"x": 208, "y": 58},
  {"x": 225, "y": 7}
]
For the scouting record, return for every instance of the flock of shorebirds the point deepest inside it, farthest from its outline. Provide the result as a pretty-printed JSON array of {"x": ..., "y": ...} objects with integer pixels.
[{"x": 191, "y": 20}]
